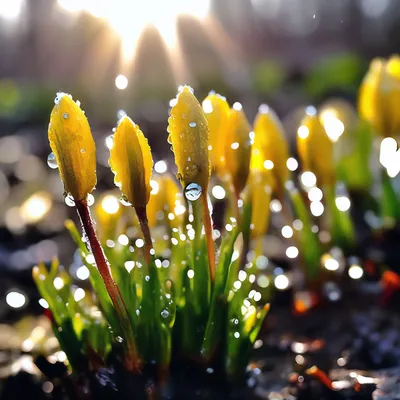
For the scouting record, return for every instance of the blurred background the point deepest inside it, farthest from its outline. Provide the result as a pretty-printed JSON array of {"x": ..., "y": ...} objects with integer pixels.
[{"x": 128, "y": 56}]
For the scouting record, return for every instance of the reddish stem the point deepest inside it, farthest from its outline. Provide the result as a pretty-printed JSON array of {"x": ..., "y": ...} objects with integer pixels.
[
  {"x": 317, "y": 373},
  {"x": 209, "y": 239},
  {"x": 111, "y": 287}
]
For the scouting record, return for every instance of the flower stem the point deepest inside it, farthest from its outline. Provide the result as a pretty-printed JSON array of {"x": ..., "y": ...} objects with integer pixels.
[
  {"x": 144, "y": 226},
  {"x": 209, "y": 239},
  {"x": 132, "y": 363}
]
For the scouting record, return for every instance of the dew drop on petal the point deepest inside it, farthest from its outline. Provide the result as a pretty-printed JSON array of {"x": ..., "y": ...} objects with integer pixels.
[
  {"x": 69, "y": 201},
  {"x": 90, "y": 199},
  {"x": 109, "y": 142},
  {"x": 192, "y": 124},
  {"x": 65, "y": 115},
  {"x": 124, "y": 201},
  {"x": 120, "y": 114},
  {"x": 51, "y": 161},
  {"x": 193, "y": 191},
  {"x": 83, "y": 150}
]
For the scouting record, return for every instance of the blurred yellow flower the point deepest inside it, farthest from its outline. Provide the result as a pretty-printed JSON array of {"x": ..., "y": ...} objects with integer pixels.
[
  {"x": 188, "y": 134},
  {"x": 379, "y": 96},
  {"x": 216, "y": 110},
  {"x": 238, "y": 148},
  {"x": 260, "y": 190},
  {"x": 270, "y": 149},
  {"x": 316, "y": 149},
  {"x": 73, "y": 146},
  {"x": 108, "y": 212},
  {"x": 131, "y": 162},
  {"x": 166, "y": 203}
]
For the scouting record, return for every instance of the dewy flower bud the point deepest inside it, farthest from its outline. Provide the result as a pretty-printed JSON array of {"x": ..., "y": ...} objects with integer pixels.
[
  {"x": 131, "y": 162},
  {"x": 379, "y": 96},
  {"x": 316, "y": 149},
  {"x": 216, "y": 110},
  {"x": 73, "y": 146},
  {"x": 238, "y": 148},
  {"x": 270, "y": 149},
  {"x": 188, "y": 134}
]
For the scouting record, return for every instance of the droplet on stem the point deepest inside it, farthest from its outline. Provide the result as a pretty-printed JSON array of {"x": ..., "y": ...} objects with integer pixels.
[{"x": 193, "y": 191}]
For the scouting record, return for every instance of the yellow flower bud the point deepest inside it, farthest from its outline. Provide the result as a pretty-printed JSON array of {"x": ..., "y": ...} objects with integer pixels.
[
  {"x": 261, "y": 190},
  {"x": 73, "y": 146},
  {"x": 270, "y": 149},
  {"x": 337, "y": 116},
  {"x": 238, "y": 148},
  {"x": 131, "y": 162},
  {"x": 379, "y": 96},
  {"x": 188, "y": 134},
  {"x": 316, "y": 149},
  {"x": 216, "y": 109}
]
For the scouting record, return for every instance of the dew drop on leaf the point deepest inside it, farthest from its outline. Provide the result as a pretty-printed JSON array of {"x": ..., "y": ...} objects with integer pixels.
[{"x": 165, "y": 313}]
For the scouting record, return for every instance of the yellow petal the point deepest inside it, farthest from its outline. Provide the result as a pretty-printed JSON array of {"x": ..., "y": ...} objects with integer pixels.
[
  {"x": 238, "y": 147},
  {"x": 188, "y": 129},
  {"x": 370, "y": 95},
  {"x": 73, "y": 146},
  {"x": 271, "y": 145},
  {"x": 379, "y": 96},
  {"x": 316, "y": 149},
  {"x": 131, "y": 162},
  {"x": 393, "y": 66},
  {"x": 216, "y": 110},
  {"x": 260, "y": 188}
]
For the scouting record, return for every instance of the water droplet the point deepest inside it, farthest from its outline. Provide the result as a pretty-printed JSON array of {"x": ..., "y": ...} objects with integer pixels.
[
  {"x": 69, "y": 201},
  {"x": 169, "y": 139},
  {"x": 193, "y": 191},
  {"x": 165, "y": 313},
  {"x": 124, "y": 201},
  {"x": 109, "y": 142},
  {"x": 147, "y": 278},
  {"x": 192, "y": 124},
  {"x": 65, "y": 115},
  {"x": 51, "y": 161},
  {"x": 78, "y": 103},
  {"x": 59, "y": 96},
  {"x": 83, "y": 151},
  {"x": 120, "y": 114},
  {"x": 90, "y": 199},
  {"x": 119, "y": 339}
]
